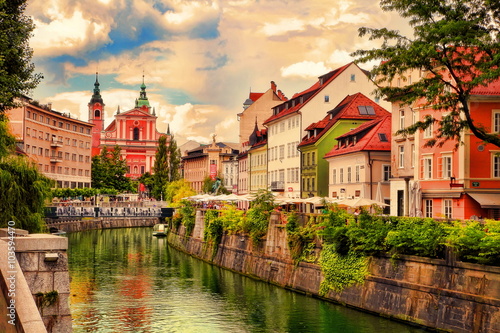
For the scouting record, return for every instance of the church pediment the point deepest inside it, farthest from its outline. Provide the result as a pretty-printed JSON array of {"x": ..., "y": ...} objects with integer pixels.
[{"x": 135, "y": 112}]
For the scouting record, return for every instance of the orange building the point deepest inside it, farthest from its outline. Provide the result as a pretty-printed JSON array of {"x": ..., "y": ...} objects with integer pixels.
[
  {"x": 58, "y": 143},
  {"x": 462, "y": 183},
  {"x": 207, "y": 160},
  {"x": 134, "y": 131}
]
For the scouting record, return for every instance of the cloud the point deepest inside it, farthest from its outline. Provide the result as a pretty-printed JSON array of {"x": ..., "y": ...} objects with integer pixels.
[{"x": 305, "y": 69}]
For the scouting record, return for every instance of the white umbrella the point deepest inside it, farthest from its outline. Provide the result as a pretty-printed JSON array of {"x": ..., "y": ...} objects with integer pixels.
[{"x": 360, "y": 202}]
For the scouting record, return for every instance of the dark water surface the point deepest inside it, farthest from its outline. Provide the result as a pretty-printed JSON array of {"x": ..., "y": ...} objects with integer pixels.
[{"x": 126, "y": 280}]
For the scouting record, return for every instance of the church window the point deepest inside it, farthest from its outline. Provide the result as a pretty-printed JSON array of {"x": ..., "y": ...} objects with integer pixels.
[
  {"x": 97, "y": 114},
  {"x": 136, "y": 133}
]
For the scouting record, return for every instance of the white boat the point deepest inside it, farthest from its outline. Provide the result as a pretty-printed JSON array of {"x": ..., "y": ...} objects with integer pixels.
[{"x": 160, "y": 230}]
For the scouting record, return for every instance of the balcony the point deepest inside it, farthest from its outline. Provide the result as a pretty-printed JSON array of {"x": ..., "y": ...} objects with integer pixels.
[
  {"x": 55, "y": 143},
  {"x": 55, "y": 159},
  {"x": 278, "y": 186}
]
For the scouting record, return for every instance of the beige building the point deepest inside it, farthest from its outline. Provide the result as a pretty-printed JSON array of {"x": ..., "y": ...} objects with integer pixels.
[
  {"x": 207, "y": 161},
  {"x": 58, "y": 143},
  {"x": 257, "y": 108}
]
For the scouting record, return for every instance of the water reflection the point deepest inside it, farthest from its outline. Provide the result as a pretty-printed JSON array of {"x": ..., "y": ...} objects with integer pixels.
[{"x": 126, "y": 280}]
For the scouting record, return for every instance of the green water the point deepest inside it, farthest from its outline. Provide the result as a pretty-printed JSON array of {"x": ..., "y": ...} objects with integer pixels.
[{"x": 126, "y": 280}]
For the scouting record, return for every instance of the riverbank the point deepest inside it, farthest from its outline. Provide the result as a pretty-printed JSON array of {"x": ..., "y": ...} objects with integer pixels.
[
  {"x": 76, "y": 224},
  {"x": 439, "y": 294}
]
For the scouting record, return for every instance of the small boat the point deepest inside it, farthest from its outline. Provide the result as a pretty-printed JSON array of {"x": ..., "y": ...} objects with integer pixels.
[{"x": 160, "y": 230}]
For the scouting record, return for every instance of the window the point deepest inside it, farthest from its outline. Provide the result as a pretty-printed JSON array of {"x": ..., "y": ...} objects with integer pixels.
[
  {"x": 428, "y": 132},
  {"x": 428, "y": 208},
  {"x": 447, "y": 208},
  {"x": 136, "y": 135},
  {"x": 382, "y": 137},
  {"x": 313, "y": 158},
  {"x": 353, "y": 77},
  {"x": 327, "y": 99},
  {"x": 496, "y": 166},
  {"x": 357, "y": 173},
  {"x": 446, "y": 160},
  {"x": 366, "y": 110},
  {"x": 341, "y": 175},
  {"x": 413, "y": 157},
  {"x": 427, "y": 167},
  {"x": 282, "y": 152},
  {"x": 28, "y": 131},
  {"x": 348, "y": 174},
  {"x": 387, "y": 172},
  {"x": 334, "y": 176},
  {"x": 496, "y": 122},
  {"x": 401, "y": 151},
  {"x": 401, "y": 119}
]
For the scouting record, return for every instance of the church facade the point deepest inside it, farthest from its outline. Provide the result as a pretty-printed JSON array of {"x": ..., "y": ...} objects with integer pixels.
[{"x": 134, "y": 131}]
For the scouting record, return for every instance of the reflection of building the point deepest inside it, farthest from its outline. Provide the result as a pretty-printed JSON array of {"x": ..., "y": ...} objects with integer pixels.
[
  {"x": 134, "y": 131},
  {"x": 207, "y": 161},
  {"x": 59, "y": 144}
]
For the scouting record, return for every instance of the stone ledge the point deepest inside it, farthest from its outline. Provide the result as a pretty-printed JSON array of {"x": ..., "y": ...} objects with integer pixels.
[{"x": 39, "y": 242}]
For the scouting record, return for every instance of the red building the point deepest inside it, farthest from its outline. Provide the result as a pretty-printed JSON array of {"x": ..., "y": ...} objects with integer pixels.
[{"x": 134, "y": 131}]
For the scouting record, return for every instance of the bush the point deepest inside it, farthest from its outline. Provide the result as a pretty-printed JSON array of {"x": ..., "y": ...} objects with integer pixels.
[{"x": 188, "y": 213}]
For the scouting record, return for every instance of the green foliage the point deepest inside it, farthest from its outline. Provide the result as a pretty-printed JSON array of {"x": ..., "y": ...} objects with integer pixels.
[
  {"x": 368, "y": 235},
  {"x": 257, "y": 223},
  {"x": 333, "y": 230},
  {"x": 233, "y": 219},
  {"x": 16, "y": 70},
  {"x": 166, "y": 167},
  {"x": 341, "y": 271},
  {"x": 476, "y": 242},
  {"x": 457, "y": 43},
  {"x": 176, "y": 220},
  {"x": 148, "y": 180},
  {"x": 417, "y": 236},
  {"x": 109, "y": 169},
  {"x": 188, "y": 214},
  {"x": 177, "y": 190},
  {"x": 300, "y": 239},
  {"x": 24, "y": 194},
  {"x": 214, "y": 229}
]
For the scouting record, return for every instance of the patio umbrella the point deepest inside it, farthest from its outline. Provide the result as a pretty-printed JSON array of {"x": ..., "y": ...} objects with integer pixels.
[{"x": 360, "y": 202}]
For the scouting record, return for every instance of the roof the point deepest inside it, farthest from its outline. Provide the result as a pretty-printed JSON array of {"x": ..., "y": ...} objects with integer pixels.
[
  {"x": 346, "y": 109},
  {"x": 492, "y": 88},
  {"x": 255, "y": 96},
  {"x": 368, "y": 138},
  {"x": 300, "y": 99}
]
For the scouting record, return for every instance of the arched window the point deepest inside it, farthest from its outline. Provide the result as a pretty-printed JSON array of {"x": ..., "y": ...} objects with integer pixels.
[
  {"x": 136, "y": 133},
  {"x": 97, "y": 114},
  {"x": 135, "y": 169}
]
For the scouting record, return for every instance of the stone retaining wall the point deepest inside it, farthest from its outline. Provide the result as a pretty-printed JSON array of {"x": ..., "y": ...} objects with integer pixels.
[
  {"x": 82, "y": 224},
  {"x": 448, "y": 296}
]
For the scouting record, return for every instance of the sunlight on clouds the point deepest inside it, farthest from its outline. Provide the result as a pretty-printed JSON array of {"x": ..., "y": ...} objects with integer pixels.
[
  {"x": 187, "y": 15},
  {"x": 305, "y": 69},
  {"x": 283, "y": 26},
  {"x": 67, "y": 35}
]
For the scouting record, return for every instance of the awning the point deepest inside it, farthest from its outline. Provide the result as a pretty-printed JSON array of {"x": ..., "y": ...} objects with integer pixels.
[
  {"x": 487, "y": 200},
  {"x": 441, "y": 194}
]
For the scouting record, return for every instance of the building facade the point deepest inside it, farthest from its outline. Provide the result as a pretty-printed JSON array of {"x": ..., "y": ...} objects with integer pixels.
[
  {"x": 134, "y": 131},
  {"x": 59, "y": 144}
]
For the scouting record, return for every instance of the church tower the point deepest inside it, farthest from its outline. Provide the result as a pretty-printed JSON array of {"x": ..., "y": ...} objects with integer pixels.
[{"x": 96, "y": 116}]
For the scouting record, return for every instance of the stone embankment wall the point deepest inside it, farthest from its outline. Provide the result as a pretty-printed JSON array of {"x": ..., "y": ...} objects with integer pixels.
[
  {"x": 82, "y": 224},
  {"x": 448, "y": 296},
  {"x": 38, "y": 271}
]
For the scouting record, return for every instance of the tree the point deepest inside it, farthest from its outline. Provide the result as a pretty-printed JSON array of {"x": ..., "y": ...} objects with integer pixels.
[
  {"x": 166, "y": 167},
  {"x": 109, "y": 169},
  {"x": 17, "y": 76},
  {"x": 176, "y": 190},
  {"x": 457, "y": 42}
]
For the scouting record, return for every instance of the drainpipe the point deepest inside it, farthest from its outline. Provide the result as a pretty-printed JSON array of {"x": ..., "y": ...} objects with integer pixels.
[{"x": 370, "y": 163}]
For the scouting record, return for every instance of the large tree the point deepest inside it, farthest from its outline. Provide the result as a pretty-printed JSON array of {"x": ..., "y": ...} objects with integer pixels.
[
  {"x": 109, "y": 169},
  {"x": 457, "y": 43},
  {"x": 166, "y": 167},
  {"x": 17, "y": 75}
]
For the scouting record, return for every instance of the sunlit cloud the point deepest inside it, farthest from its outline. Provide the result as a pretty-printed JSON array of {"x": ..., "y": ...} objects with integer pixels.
[{"x": 305, "y": 69}]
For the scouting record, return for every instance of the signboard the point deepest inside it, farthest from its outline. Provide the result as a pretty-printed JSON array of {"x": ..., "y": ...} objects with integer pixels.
[
  {"x": 290, "y": 189},
  {"x": 475, "y": 184},
  {"x": 213, "y": 171}
]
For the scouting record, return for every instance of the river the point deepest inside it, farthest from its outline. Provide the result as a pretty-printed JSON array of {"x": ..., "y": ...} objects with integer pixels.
[{"x": 126, "y": 280}]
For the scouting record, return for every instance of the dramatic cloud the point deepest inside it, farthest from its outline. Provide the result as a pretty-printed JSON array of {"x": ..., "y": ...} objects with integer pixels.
[{"x": 199, "y": 58}]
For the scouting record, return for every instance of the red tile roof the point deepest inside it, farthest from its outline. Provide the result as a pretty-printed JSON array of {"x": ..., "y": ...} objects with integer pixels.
[
  {"x": 346, "y": 109},
  {"x": 306, "y": 95},
  {"x": 255, "y": 96},
  {"x": 369, "y": 140}
]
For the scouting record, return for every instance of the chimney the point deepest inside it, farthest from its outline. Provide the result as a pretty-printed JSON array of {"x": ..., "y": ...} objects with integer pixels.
[
  {"x": 273, "y": 86},
  {"x": 49, "y": 106}
]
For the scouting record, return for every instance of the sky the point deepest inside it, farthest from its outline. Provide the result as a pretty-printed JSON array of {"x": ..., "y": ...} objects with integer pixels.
[{"x": 200, "y": 59}]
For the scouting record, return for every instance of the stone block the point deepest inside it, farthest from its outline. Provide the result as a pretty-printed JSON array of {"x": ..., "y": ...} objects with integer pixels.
[
  {"x": 61, "y": 282},
  {"x": 61, "y": 264},
  {"x": 40, "y": 281},
  {"x": 28, "y": 261}
]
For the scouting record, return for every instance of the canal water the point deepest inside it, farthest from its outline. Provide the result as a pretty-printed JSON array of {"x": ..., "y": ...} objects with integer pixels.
[{"x": 126, "y": 280}]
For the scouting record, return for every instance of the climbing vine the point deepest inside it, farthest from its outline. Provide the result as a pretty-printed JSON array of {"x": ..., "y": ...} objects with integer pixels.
[
  {"x": 188, "y": 213},
  {"x": 213, "y": 230},
  {"x": 300, "y": 239},
  {"x": 341, "y": 271}
]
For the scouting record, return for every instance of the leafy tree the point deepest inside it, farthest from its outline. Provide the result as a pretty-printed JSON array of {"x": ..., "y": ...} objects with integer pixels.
[
  {"x": 148, "y": 180},
  {"x": 166, "y": 167},
  {"x": 177, "y": 190},
  {"x": 457, "y": 42},
  {"x": 17, "y": 77},
  {"x": 109, "y": 169}
]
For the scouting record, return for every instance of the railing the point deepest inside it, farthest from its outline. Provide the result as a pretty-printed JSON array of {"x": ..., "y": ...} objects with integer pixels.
[{"x": 96, "y": 211}]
